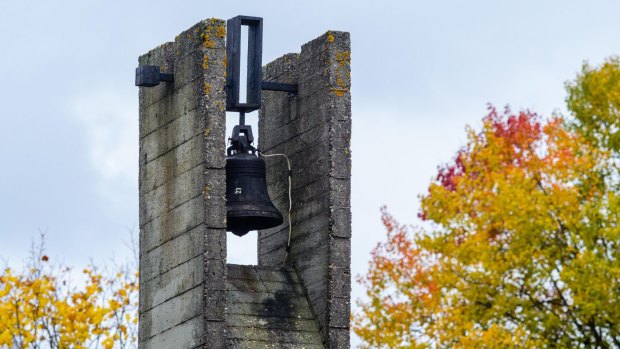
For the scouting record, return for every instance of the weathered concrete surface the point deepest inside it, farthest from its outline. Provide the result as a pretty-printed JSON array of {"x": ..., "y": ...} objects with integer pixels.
[
  {"x": 314, "y": 131},
  {"x": 182, "y": 185},
  {"x": 266, "y": 308}
]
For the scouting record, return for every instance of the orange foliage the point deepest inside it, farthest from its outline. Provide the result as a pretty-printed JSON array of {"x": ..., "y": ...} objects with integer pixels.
[{"x": 519, "y": 247}]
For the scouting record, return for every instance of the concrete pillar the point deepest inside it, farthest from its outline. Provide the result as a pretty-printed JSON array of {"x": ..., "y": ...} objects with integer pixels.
[
  {"x": 314, "y": 130},
  {"x": 182, "y": 187}
]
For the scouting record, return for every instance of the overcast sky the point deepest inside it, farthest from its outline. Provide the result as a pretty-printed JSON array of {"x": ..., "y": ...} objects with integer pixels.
[{"x": 421, "y": 72}]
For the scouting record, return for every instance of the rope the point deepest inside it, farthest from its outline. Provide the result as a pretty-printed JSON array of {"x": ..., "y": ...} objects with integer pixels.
[{"x": 290, "y": 202}]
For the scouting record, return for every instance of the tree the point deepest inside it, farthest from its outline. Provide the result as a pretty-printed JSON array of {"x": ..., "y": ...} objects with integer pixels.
[
  {"x": 521, "y": 243},
  {"x": 40, "y": 308}
]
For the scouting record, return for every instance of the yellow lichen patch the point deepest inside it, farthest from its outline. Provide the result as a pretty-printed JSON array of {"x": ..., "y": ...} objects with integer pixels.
[
  {"x": 206, "y": 40},
  {"x": 343, "y": 56},
  {"x": 207, "y": 88},
  {"x": 220, "y": 105},
  {"x": 205, "y": 62},
  {"x": 343, "y": 73},
  {"x": 330, "y": 37},
  {"x": 339, "y": 81},
  {"x": 220, "y": 32},
  {"x": 339, "y": 91},
  {"x": 213, "y": 28},
  {"x": 225, "y": 64},
  {"x": 205, "y": 192}
]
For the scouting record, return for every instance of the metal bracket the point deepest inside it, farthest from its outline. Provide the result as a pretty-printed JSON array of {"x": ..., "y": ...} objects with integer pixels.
[
  {"x": 241, "y": 140},
  {"x": 279, "y": 86},
  {"x": 151, "y": 75}
]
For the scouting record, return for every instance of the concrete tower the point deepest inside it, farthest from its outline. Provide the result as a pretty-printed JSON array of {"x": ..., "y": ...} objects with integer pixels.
[{"x": 190, "y": 296}]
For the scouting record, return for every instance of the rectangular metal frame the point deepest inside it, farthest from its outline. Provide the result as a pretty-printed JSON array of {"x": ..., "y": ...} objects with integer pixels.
[{"x": 233, "y": 66}]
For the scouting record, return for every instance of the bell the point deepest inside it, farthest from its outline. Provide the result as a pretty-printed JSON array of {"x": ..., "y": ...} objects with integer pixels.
[{"x": 248, "y": 206}]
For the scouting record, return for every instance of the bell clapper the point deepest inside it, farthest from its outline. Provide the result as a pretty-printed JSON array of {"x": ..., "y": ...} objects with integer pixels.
[{"x": 290, "y": 201}]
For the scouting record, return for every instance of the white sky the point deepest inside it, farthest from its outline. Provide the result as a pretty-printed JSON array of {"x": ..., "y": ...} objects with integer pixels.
[{"x": 421, "y": 71}]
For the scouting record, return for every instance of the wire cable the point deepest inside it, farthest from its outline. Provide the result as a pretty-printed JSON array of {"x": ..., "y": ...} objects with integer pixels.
[{"x": 290, "y": 201}]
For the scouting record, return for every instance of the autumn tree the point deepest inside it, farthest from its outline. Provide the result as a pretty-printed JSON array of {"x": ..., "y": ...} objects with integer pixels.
[
  {"x": 520, "y": 245},
  {"x": 40, "y": 307}
]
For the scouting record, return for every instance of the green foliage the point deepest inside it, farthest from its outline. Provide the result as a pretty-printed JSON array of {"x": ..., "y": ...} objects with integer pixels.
[{"x": 594, "y": 100}]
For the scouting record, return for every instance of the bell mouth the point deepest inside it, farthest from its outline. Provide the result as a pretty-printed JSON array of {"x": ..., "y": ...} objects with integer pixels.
[{"x": 242, "y": 222}]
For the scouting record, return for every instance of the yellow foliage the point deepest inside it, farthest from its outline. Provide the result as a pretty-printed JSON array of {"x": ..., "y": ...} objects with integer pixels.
[{"x": 38, "y": 308}]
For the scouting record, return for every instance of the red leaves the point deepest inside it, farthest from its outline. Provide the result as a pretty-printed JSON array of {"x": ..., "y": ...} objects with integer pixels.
[
  {"x": 519, "y": 130},
  {"x": 515, "y": 134},
  {"x": 448, "y": 174}
]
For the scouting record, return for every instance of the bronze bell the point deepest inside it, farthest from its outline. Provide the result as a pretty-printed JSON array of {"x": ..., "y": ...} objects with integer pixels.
[{"x": 248, "y": 206}]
